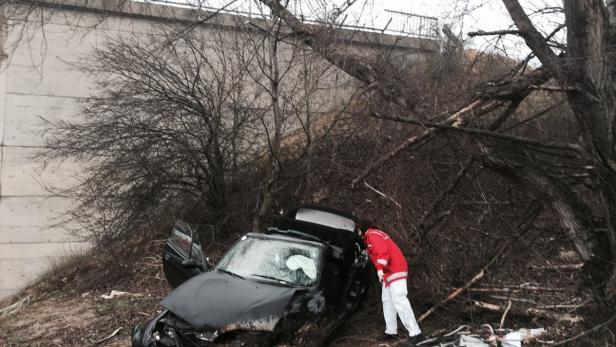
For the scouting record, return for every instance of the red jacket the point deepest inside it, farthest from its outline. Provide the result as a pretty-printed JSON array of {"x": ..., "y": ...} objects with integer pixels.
[{"x": 385, "y": 255}]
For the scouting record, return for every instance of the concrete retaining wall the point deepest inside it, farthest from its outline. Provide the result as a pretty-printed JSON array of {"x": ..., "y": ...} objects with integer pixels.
[{"x": 39, "y": 78}]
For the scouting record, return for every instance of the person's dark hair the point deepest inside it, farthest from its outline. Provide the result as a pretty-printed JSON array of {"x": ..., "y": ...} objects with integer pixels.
[{"x": 362, "y": 225}]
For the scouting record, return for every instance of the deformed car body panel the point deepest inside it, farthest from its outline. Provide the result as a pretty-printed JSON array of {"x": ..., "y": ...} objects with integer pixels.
[
  {"x": 309, "y": 267},
  {"x": 232, "y": 301}
]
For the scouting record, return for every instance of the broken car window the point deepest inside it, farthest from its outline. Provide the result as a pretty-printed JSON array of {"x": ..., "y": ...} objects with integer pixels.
[
  {"x": 276, "y": 260},
  {"x": 181, "y": 238},
  {"x": 305, "y": 264}
]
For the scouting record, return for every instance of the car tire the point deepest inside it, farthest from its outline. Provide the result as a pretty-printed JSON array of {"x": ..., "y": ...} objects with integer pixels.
[{"x": 140, "y": 335}]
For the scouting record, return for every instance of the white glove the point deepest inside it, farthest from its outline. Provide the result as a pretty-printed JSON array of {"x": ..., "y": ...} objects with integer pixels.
[{"x": 381, "y": 275}]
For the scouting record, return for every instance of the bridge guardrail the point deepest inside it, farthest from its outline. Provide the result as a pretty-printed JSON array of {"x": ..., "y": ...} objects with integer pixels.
[{"x": 397, "y": 23}]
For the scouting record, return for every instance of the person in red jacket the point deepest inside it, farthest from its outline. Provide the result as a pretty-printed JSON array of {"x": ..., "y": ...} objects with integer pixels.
[{"x": 392, "y": 271}]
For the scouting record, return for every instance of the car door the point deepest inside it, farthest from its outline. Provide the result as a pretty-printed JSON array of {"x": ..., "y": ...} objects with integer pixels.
[{"x": 183, "y": 257}]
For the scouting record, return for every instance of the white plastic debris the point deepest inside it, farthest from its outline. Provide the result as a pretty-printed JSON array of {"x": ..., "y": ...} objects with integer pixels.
[
  {"x": 117, "y": 293},
  {"x": 532, "y": 332},
  {"x": 513, "y": 339},
  {"x": 469, "y": 341}
]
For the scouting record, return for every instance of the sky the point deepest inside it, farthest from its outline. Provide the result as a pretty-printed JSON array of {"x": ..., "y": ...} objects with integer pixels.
[{"x": 466, "y": 16}]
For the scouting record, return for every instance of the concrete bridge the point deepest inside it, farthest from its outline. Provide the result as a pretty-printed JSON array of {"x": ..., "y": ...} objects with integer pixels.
[{"x": 39, "y": 43}]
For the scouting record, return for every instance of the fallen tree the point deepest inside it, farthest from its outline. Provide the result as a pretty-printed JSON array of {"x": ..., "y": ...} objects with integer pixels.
[{"x": 583, "y": 72}]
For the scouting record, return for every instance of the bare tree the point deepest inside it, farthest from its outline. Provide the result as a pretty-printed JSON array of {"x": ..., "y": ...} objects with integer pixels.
[
  {"x": 183, "y": 113},
  {"x": 299, "y": 86},
  {"x": 583, "y": 194},
  {"x": 172, "y": 127}
]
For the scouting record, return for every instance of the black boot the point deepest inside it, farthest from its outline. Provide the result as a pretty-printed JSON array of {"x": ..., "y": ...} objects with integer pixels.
[
  {"x": 414, "y": 340},
  {"x": 386, "y": 337}
]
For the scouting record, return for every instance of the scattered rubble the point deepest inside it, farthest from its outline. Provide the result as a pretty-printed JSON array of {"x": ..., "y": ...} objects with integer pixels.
[
  {"x": 15, "y": 307},
  {"x": 488, "y": 337},
  {"x": 117, "y": 293}
]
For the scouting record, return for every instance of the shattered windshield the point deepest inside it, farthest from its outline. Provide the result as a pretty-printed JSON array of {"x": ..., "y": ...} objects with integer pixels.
[{"x": 273, "y": 260}]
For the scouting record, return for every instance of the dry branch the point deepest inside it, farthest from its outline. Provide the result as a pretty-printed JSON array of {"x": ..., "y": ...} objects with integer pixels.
[
  {"x": 502, "y": 321},
  {"x": 557, "y": 267},
  {"x": 443, "y": 195},
  {"x": 515, "y": 289},
  {"x": 486, "y": 133},
  {"x": 455, "y": 120},
  {"x": 508, "y": 298},
  {"x": 524, "y": 226},
  {"x": 566, "y": 306},
  {"x": 571, "y": 339},
  {"x": 385, "y": 196},
  {"x": 350, "y": 64},
  {"x": 533, "y": 37},
  {"x": 453, "y": 295},
  {"x": 530, "y": 312},
  {"x": 490, "y": 33},
  {"x": 108, "y": 337}
]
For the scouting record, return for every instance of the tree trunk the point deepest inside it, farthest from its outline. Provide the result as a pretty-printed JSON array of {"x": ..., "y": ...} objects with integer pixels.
[
  {"x": 270, "y": 185},
  {"x": 587, "y": 74},
  {"x": 592, "y": 99}
]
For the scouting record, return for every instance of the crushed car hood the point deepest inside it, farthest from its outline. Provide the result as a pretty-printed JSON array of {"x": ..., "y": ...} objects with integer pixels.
[{"x": 227, "y": 303}]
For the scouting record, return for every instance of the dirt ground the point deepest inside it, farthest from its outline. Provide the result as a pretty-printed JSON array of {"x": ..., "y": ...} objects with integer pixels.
[
  {"x": 65, "y": 321},
  {"x": 84, "y": 321},
  {"x": 66, "y": 308}
]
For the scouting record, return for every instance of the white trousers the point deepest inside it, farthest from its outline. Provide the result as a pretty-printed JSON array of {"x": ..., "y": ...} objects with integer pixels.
[{"x": 396, "y": 304}]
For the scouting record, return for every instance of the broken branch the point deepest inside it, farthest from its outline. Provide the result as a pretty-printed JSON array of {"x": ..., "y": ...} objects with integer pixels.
[
  {"x": 604, "y": 324},
  {"x": 530, "y": 312},
  {"x": 524, "y": 227},
  {"x": 508, "y": 298},
  {"x": 452, "y": 296},
  {"x": 382, "y": 194},
  {"x": 502, "y": 321},
  {"x": 454, "y": 120},
  {"x": 496, "y": 32},
  {"x": 485, "y": 133},
  {"x": 533, "y": 37},
  {"x": 110, "y": 336},
  {"x": 441, "y": 197},
  {"x": 557, "y": 267},
  {"x": 513, "y": 289},
  {"x": 15, "y": 307}
]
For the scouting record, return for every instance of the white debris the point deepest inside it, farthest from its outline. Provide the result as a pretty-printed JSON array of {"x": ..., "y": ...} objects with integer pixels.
[
  {"x": 116, "y": 293},
  {"x": 513, "y": 339},
  {"x": 469, "y": 341},
  {"x": 15, "y": 307}
]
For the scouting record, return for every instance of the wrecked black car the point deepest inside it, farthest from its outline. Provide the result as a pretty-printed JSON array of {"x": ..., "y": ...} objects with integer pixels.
[{"x": 294, "y": 284}]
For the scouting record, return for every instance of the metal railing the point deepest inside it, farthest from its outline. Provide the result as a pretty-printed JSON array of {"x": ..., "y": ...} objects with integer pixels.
[
  {"x": 413, "y": 24},
  {"x": 395, "y": 23}
]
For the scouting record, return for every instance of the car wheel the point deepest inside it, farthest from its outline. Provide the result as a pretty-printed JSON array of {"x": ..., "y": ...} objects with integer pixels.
[{"x": 140, "y": 335}]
